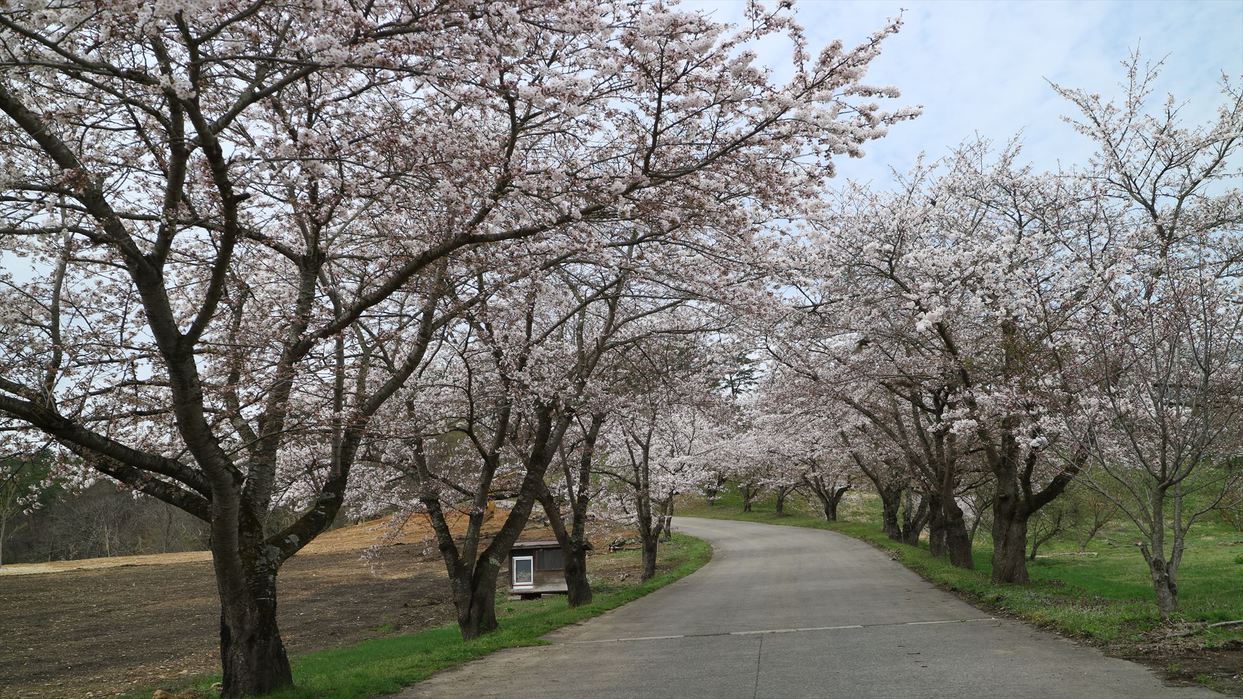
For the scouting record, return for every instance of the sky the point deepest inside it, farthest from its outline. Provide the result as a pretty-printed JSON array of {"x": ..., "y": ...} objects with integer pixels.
[{"x": 983, "y": 68}]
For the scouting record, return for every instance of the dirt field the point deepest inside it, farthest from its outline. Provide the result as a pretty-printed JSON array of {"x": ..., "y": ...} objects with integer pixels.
[{"x": 101, "y": 627}]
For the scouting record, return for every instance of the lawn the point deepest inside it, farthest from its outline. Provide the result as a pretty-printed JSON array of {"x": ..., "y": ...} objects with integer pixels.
[
  {"x": 1103, "y": 597},
  {"x": 386, "y": 665}
]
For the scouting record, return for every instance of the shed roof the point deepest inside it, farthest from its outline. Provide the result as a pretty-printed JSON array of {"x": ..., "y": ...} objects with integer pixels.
[{"x": 543, "y": 544}]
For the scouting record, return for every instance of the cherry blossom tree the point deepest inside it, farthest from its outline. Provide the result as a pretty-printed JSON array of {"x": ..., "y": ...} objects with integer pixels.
[
  {"x": 1164, "y": 347},
  {"x": 530, "y": 363},
  {"x": 482, "y": 429},
  {"x": 621, "y": 309},
  {"x": 243, "y": 219},
  {"x": 793, "y": 442},
  {"x": 1001, "y": 327},
  {"x": 905, "y": 503},
  {"x": 898, "y": 399},
  {"x": 952, "y": 300},
  {"x": 580, "y": 488},
  {"x": 182, "y": 175},
  {"x": 669, "y": 428},
  {"x": 996, "y": 291}
]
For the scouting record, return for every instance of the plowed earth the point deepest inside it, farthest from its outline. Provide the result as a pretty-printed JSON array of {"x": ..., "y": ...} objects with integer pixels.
[{"x": 102, "y": 627}]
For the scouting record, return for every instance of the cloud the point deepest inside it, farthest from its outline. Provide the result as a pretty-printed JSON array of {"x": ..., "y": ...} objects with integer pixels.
[{"x": 983, "y": 67}]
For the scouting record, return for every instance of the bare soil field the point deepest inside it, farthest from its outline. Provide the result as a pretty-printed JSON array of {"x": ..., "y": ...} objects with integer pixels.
[{"x": 102, "y": 627}]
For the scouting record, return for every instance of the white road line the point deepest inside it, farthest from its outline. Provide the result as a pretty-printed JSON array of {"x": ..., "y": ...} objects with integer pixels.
[
  {"x": 798, "y": 629},
  {"x": 632, "y": 638},
  {"x": 948, "y": 621}
]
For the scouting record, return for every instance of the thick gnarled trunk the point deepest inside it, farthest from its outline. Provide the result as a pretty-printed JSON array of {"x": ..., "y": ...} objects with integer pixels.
[
  {"x": 902, "y": 519},
  {"x": 475, "y": 600},
  {"x": 573, "y": 543},
  {"x": 579, "y": 588},
  {"x": 830, "y": 510},
  {"x": 957, "y": 538},
  {"x": 251, "y": 651},
  {"x": 891, "y": 502},
  {"x": 1015, "y": 502},
  {"x": 936, "y": 527},
  {"x": 1010, "y": 550},
  {"x": 252, "y": 654},
  {"x": 1009, "y": 540},
  {"x": 947, "y": 532}
]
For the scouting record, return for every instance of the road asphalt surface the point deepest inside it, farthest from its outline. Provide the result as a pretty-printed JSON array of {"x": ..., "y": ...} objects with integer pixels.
[{"x": 795, "y": 612}]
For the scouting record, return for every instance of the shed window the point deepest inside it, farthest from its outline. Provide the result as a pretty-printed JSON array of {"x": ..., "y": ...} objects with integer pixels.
[
  {"x": 524, "y": 573},
  {"x": 551, "y": 559}
]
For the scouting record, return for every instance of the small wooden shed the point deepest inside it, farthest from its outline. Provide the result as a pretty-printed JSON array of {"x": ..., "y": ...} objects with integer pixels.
[{"x": 536, "y": 568}]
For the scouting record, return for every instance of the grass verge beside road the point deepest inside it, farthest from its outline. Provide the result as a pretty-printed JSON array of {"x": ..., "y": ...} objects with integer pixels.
[
  {"x": 1102, "y": 595},
  {"x": 386, "y": 665}
]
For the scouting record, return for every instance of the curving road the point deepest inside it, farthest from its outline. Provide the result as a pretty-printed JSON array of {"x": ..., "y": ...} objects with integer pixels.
[{"x": 793, "y": 612}]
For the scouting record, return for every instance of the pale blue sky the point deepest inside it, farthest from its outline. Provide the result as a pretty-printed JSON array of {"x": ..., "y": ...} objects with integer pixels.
[{"x": 981, "y": 67}]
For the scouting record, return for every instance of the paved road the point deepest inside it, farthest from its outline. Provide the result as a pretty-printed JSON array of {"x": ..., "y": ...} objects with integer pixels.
[{"x": 792, "y": 612}]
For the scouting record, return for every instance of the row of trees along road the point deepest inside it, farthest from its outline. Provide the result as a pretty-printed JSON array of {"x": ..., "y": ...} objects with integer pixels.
[
  {"x": 265, "y": 255},
  {"x": 986, "y": 334},
  {"x": 288, "y": 260}
]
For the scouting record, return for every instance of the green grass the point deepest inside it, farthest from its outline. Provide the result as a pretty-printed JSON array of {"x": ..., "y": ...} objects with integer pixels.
[
  {"x": 385, "y": 665},
  {"x": 1106, "y": 597}
]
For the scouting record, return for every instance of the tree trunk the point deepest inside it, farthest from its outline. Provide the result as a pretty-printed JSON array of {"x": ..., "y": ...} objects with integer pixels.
[
  {"x": 1014, "y": 506},
  {"x": 475, "y": 600},
  {"x": 1163, "y": 581},
  {"x": 781, "y": 502},
  {"x": 663, "y": 531},
  {"x": 713, "y": 491},
  {"x": 1165, "y": 587},
  {"x": 649, "y": 557},
  {"x": 473, "y": 576},
  {"x": 913, "y": 521},
  {"x": 936, "y": 527},
  {"x": 251, "y": 651},
  {"x": 1009, "y": 539},
  {"x": 573, "y": 544},
  {"x": 833, "y": 501},
  {"x": 748, "y": 492},
  {"x": 957, "y": 539},
  {"x": 891, "y": 501},
  {"x": 576, "y": 577},
  {"x": 1036, "y": 544},
  {"x": 650, "y": 527},
  {"x": 910, "y": 536}
]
